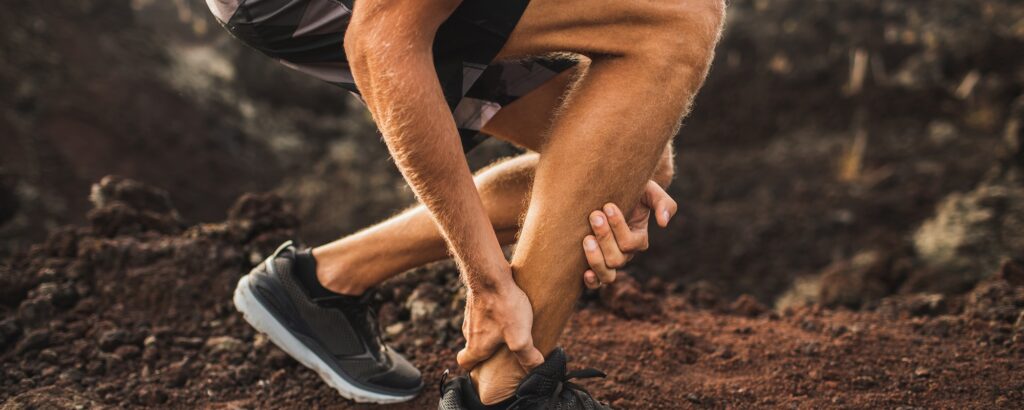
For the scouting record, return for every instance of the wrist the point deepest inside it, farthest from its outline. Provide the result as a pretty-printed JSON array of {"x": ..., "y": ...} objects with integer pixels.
[{"x": 494, "y": 283}]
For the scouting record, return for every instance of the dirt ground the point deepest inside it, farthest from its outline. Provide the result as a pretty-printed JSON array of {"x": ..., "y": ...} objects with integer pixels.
[
  {"x": 135, "y": 310},
  {"x": 851, "y": 230}
]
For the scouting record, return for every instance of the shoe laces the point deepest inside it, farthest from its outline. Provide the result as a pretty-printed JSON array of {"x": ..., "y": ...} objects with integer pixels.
[
  {"x": 564, "y": 384},
  {"x": 359, "y": 307}
]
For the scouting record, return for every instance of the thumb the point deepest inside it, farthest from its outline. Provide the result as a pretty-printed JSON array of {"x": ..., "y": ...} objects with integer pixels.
[
  {"x": 468, "y": 359},
  {"x": 663, "y": 205}
]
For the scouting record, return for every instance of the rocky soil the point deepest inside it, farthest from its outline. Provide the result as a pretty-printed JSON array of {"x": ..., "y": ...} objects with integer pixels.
[
  {"x": 851, "y": 232},
  {"x": 134, "y": 310}
]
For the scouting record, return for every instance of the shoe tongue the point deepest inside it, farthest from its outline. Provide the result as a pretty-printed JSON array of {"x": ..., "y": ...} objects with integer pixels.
[{"x": 544, "y": 379}]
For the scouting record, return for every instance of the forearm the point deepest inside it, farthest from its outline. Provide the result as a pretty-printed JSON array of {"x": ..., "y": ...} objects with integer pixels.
[{"x": 405, "y": 99}]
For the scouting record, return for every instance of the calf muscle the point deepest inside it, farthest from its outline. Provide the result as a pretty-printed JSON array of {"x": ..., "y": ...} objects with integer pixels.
[{"x": 630, "y": 103}]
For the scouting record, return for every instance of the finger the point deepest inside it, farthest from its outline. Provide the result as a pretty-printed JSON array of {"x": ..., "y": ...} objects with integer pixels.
[
  {"x": 613, "y": 257},
  {"x": 596, "y": 260},
  {"x": 470, "y": 356},
  {"x": 590, "y": 279},
  {"x": 663, "y": 205},
  {"x": 526, "y": 353},
  {"x": 627, "y": 240}
]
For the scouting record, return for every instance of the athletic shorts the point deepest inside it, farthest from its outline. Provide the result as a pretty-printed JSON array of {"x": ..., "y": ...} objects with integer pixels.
[{"x": 309, "y": 35}]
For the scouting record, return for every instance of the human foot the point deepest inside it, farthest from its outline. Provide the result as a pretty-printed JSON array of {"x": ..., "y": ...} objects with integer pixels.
[
  {"x": 546, "y": 386},
  {"x": 335, "y": 335}
]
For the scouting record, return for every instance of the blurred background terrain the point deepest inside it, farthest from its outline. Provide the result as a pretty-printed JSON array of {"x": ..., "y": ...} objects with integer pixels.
[{"x": 843, "y": 154}]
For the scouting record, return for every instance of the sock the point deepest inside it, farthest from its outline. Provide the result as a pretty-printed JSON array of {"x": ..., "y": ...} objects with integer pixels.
[{"x": 305, "y": 272}]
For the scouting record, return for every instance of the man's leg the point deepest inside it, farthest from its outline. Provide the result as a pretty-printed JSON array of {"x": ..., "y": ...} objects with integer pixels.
[
  {"x": 648, "y": 61},
  {"x": 357, "y": 262},
  {"x": 352, "y": 264}
]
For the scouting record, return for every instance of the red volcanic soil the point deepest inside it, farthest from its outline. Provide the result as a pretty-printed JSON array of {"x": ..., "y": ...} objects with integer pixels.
[{"x": 135, "y": 310}]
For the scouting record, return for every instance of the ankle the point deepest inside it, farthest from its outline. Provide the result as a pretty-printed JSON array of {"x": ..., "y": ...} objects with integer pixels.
[
  {"x": 496, "y": 387},
  {"x": 336, "y": 275}
]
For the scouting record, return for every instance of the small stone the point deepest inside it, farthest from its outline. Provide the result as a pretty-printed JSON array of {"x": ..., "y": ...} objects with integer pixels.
[
  {"x": 941, "y": 132},
  {"x": 46, "y": 274},
  {"x": 693, "y": 398},
  {"x": 34, "y": 340},
  {"x": 747, "y": 305},
  {"x": 260, "y": 341},
  {"x": 922, "y": 372},
  {"x": 190, "y": 342},
  {"x": 48, "y": 355},
  {"x": 394, "y": 330},
  {"x": 224, "y": 344},
  {"x": 279, "y": 359},
  {"x": 49, "y": 371},
  {"x": 246, "y": 374},
  {"x": 70, "y": 376},
  {"x": 35, "y": 311},
  {"x": 422, "y": 303},
  {"x": 111, "y": 339},
  {"x": 127, "y": 352},
  {"x": 176, "y": 374},
  {"x": 150, "y": 341}
]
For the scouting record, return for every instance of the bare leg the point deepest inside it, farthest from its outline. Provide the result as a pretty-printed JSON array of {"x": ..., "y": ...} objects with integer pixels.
[
  {"x": 357, "y": 262},
  {"x": 605, "y": 143},
  {"x": 352, "y": 264}
]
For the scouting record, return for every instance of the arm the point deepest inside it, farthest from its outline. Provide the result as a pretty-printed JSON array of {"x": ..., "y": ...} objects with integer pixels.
[
  {"x": 389, "y": 48},
  {"x": 388, "y": 44}
]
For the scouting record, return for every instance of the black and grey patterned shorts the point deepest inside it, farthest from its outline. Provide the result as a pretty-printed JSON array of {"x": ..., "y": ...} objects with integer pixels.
[{"x": 308, "y": 35}]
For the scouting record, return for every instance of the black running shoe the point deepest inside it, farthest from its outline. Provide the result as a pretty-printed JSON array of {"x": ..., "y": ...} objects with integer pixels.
[
  {"x": 335, "y": 335},
  {"x": 546, "y": 387}
]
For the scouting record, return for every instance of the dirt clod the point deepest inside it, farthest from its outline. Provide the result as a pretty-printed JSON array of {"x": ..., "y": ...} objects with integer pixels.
[{"x": 627, "y": 299}]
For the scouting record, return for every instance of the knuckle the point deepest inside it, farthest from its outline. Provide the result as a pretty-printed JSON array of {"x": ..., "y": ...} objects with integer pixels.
[
  {"x": 617, "y": 220},
  {"x": 518, "y": 344}
]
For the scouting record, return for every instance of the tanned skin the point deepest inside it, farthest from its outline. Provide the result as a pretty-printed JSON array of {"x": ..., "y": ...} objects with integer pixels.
[
  {"x": 358, "y": 262},
  {"x": 648, "y": 59}
]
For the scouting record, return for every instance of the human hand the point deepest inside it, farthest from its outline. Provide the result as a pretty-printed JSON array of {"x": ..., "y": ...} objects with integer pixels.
[
  {"x": 495, "y": 318},
  {"x": 616, "y": 239}
]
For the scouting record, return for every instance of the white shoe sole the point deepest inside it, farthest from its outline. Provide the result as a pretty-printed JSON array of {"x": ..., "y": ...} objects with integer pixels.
[{"x": 261, "y": 319}]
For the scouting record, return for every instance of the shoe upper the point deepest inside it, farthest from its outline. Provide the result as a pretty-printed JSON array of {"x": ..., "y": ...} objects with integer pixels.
[
  {"x": 547, "y": 386},
  {"x": 342, "y": 330}
]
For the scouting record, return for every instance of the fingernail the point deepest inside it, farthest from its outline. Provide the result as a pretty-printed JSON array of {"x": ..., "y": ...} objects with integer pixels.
[
  {"x": 665, "y": 215},
  {"x": 590, "y": 243},
  {"x": 610, "y": 210},
  {"x": 589, "y": 280},
  {"x": 598, "y": 220}
]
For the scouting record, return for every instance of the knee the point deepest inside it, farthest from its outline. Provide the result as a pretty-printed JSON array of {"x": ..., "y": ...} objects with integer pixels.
[{"x": 684, "y": 37}]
